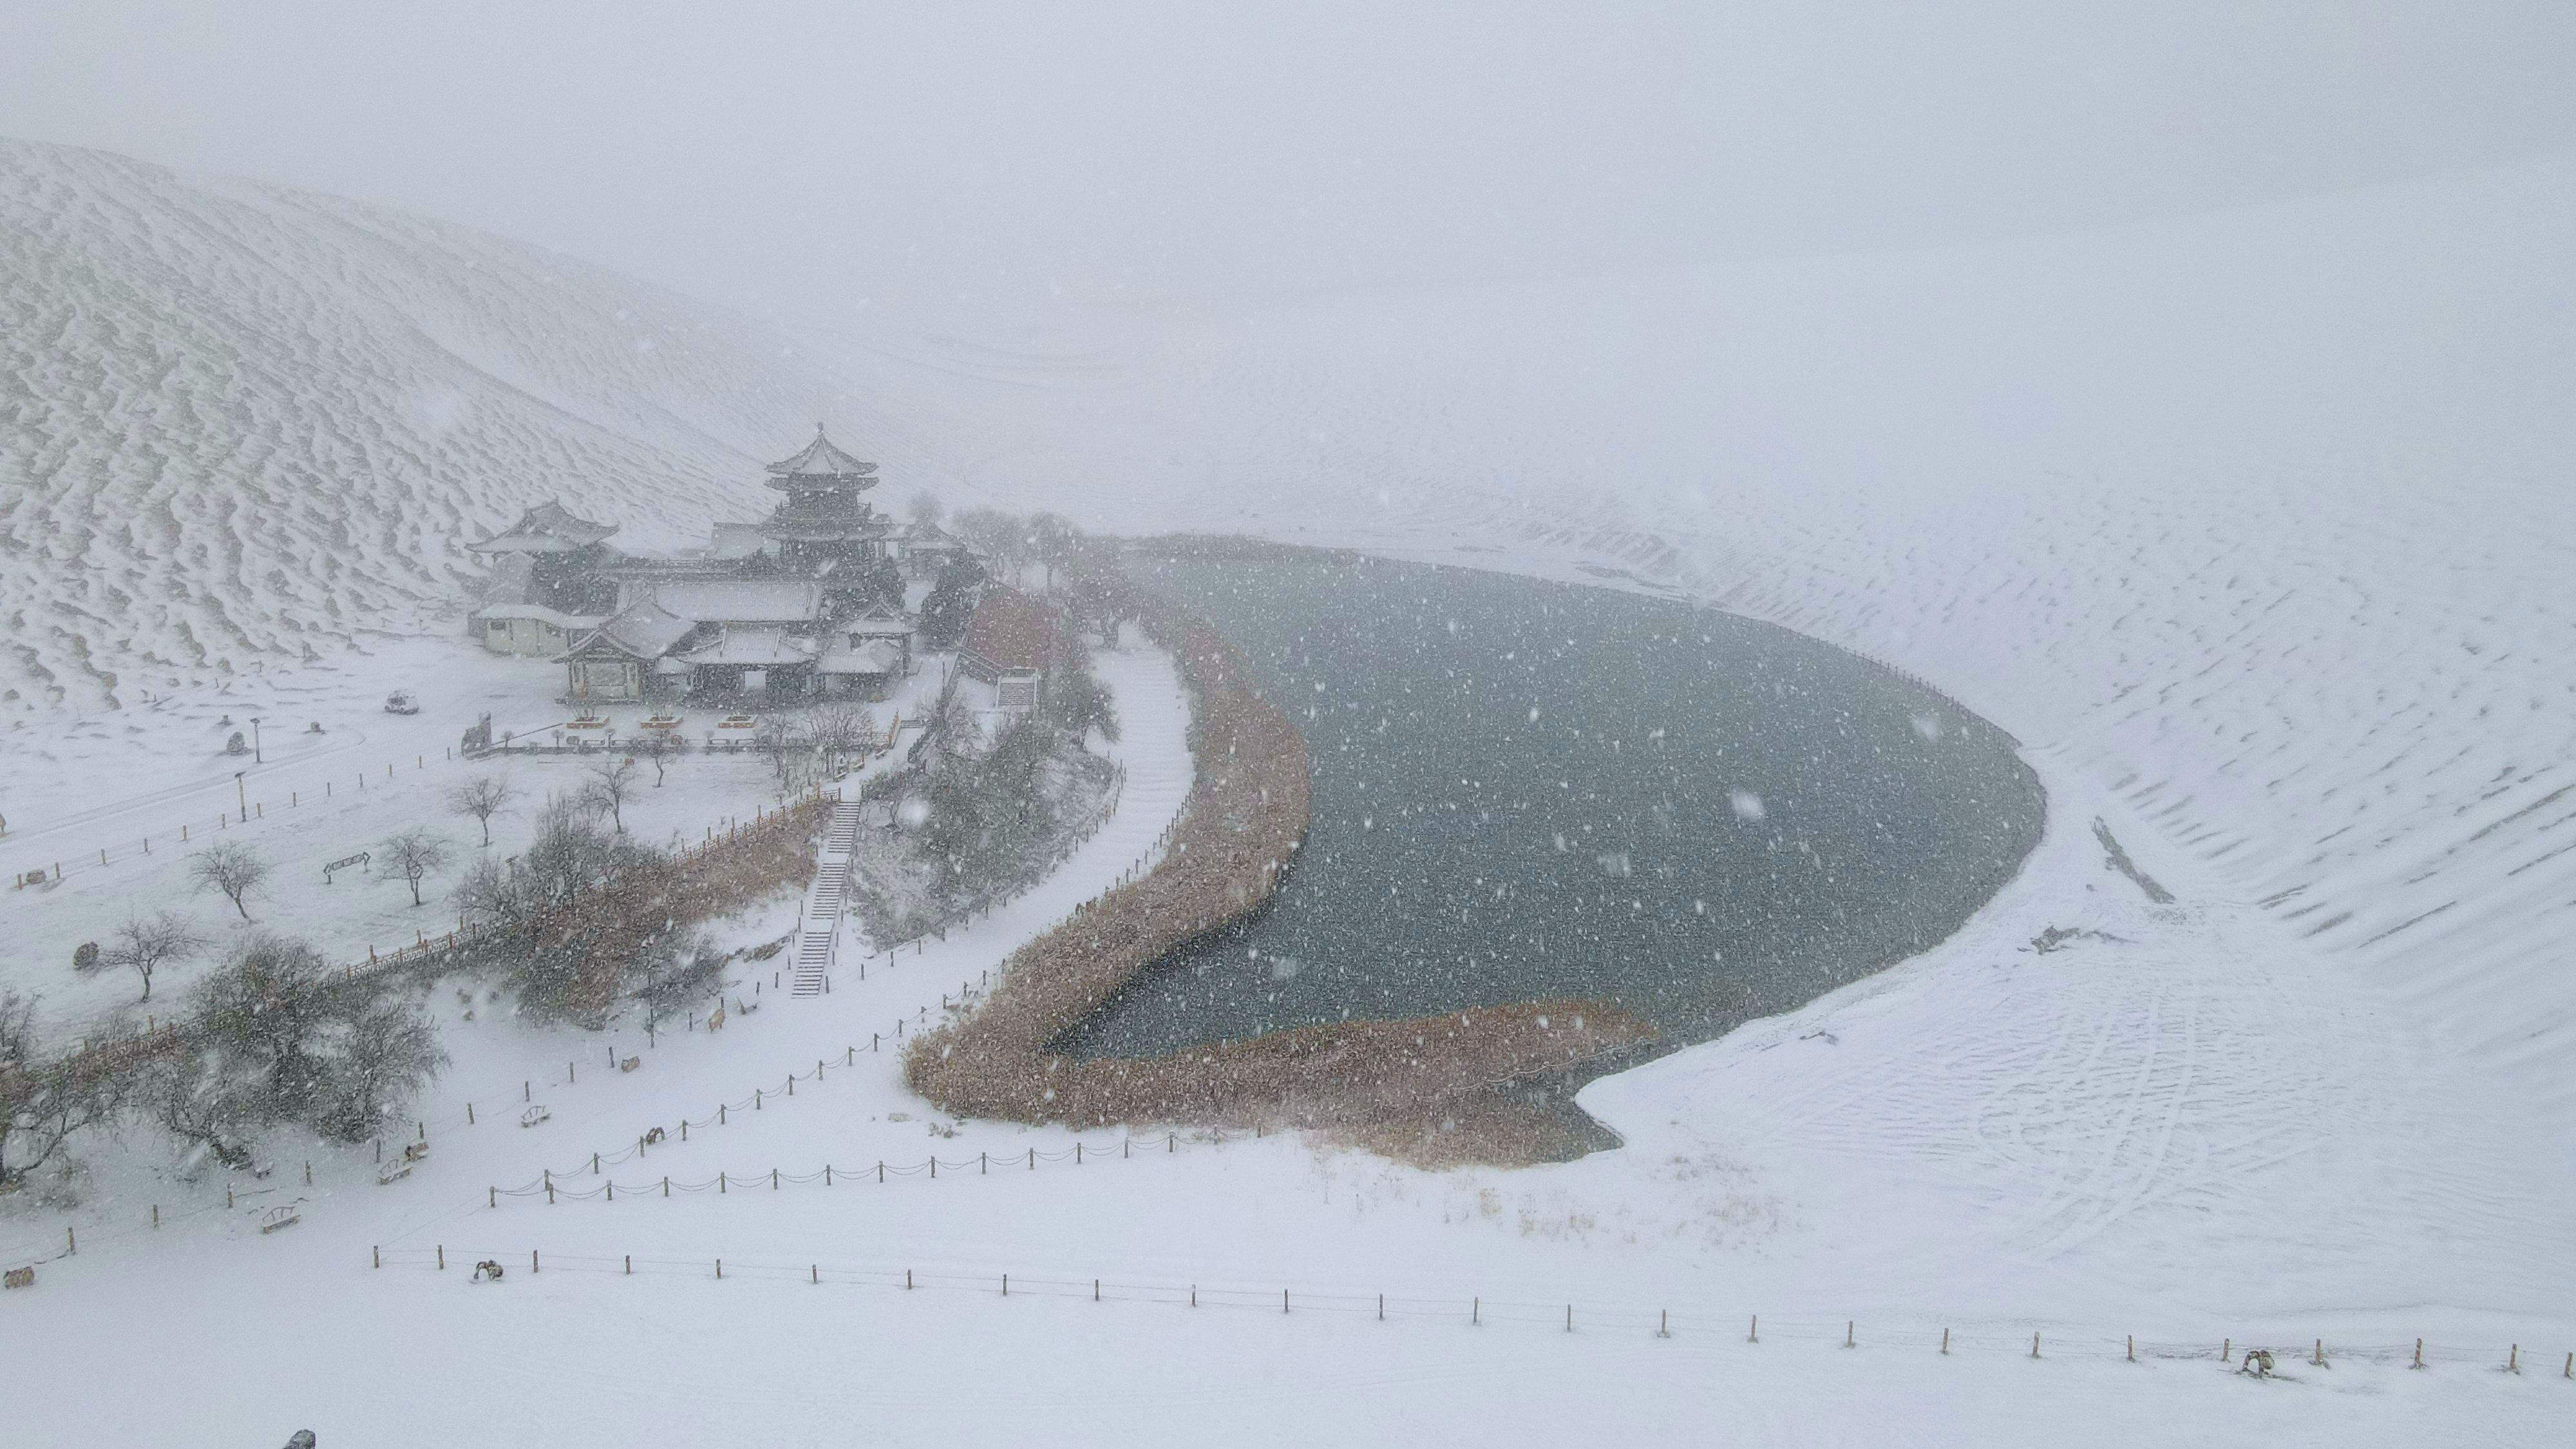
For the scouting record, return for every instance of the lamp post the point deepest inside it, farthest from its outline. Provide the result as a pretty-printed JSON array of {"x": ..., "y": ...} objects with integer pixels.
[{"x": 255, "y": 757}]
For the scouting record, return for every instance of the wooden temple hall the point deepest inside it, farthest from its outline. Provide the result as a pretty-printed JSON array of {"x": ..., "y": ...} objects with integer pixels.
[{"x": 811, "y": 600}]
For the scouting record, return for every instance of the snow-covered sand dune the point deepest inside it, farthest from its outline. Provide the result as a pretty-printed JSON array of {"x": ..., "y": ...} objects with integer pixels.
[{"x": 242, "y": 426}]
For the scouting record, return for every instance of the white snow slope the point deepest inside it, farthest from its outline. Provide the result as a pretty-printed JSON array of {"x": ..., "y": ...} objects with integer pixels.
[
  {"x": 242, "y": 425},
  {"x": 2251, "y": 526}
]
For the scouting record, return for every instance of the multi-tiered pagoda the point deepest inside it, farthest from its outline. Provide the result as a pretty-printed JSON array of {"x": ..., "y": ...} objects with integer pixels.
[{"x": 824, "y": 523}]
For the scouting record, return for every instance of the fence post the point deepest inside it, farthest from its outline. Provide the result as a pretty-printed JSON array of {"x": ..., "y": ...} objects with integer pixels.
[
  {"x": 1848, "y": 1341},
  {"x": 2034, "y": 1345},
  {"x": 1945, "y": 1341}
]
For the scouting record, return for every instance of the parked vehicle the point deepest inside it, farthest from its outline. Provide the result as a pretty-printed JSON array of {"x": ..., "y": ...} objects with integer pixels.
[{"x": 402, "y": 701}]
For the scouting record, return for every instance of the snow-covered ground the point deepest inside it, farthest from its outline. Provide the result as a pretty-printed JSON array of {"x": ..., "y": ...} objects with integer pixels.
[
  {"x": 102, "y": 791},
  {"x": 2251, "y": 526},
  {"x": 1745, "y": 1211}
]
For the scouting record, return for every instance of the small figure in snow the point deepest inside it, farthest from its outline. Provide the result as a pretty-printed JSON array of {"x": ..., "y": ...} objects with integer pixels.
[
  {"x": 415, "y": 1151},
  {"x": 716, "y": 1022},
  {"x": 487, "y": 1269},
  {"x": 2258, "y": 1362}
]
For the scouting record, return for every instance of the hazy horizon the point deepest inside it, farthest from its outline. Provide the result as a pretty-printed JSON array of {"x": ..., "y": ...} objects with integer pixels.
[{"x": 815, "y": 161}]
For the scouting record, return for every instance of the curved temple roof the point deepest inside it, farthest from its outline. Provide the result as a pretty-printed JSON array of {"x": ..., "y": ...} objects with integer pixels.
[
  {"x": 821, "y": 458},
  {"x": 547, "y": 528}
]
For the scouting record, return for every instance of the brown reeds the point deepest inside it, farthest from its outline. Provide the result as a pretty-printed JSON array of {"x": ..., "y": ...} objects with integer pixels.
[{"x": 1433, "y": 1088}]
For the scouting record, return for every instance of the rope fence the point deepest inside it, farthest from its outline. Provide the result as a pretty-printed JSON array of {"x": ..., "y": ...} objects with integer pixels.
[
  {"x": 587, "y": 1181},
  {"x": 1703, "y": 1322}
]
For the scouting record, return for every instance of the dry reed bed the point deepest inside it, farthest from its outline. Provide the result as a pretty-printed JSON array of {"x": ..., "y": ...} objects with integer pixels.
[{"x": 1427, "y": 1088}]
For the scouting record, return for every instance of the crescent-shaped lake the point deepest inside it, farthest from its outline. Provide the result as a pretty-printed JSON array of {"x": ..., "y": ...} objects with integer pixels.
[{"x": 1530, "y": 791}]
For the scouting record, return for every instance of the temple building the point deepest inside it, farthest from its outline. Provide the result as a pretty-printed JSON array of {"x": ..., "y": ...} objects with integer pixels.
[
  {"x": 1010, "y": 641},
  {"x": 808, "y": 601},
  {"x": 563, "y": 555}
]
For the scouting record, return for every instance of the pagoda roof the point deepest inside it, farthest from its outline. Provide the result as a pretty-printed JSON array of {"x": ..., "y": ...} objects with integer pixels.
[
  {"x": 742, "y": 601},
  {"x": 641, "y": 630},
  {"x": 758, "y": 646},
  {"x": 930, "y": 535},
  {"x": 547, "y": 528},
  {"x": 821, "y": 458},
  {"x": 875, "y": 656}
]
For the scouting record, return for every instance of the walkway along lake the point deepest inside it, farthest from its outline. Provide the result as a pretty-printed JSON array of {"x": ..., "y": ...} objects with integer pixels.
[{"x": 1530, "y": 791}]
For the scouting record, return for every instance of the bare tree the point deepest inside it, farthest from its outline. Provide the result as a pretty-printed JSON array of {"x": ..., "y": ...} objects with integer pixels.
[
  {"x": 838, "y": 731},
  {"x": 923, "y": 509},
  {"x": 491, "y": 891},
  {"x": 42, "y": 1105},
  {"x": 1052, "y": 540},
  {"x": 278, "y": 1037},
  {"x": 607, "y": 789},
  {"x": 670, "y": 972},
  {"x": 232, "y": 868},
  {"x": 387, "y": 1051},
  {"x": 481, "y": 798},
  {"x": 787, "y": 752},
  {"x": 658, "y": 746},
  {"x": 997, "y": 536},
  {"x": 146, "y": 943},
  {"x": 415, "y": 855}
]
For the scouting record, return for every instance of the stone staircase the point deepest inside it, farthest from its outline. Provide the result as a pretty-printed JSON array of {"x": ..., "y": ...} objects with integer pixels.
[{"x": 818, "y": 931}]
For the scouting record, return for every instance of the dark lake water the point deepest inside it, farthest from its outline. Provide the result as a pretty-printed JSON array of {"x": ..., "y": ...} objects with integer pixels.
[{"x": 1526, "y": 790}]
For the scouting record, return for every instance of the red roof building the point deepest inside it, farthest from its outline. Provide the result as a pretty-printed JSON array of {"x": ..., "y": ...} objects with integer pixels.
[{"x": 1009, "y": 640}]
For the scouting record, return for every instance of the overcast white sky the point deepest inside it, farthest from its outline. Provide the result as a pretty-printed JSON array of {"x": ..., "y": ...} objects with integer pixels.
[{"x": 928, "y": 157}]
